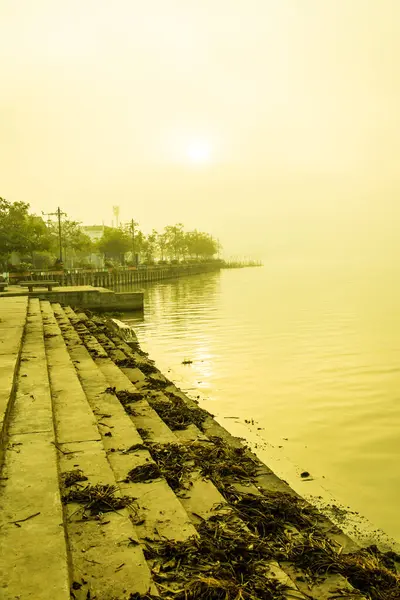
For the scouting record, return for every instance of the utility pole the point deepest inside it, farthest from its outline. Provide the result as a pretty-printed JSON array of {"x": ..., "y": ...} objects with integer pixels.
[
  {"x": 133, "y": 224},
  {"x": 59, "y": 232},
  {"x": 58, "y": 214}
]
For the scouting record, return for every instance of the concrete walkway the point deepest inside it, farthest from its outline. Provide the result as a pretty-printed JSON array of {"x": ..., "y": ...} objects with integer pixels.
[
  {"x": 85, "y": 296},
  {"x": 81, "y": 410},
  {"x": 32, "y": 538},
  {"x": 12, "y": 323},
  {"x": 17, "y": 290}
]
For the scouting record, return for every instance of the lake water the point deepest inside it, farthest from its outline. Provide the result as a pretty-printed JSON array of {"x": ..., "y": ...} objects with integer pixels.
[{"x": 311, "y": 355}]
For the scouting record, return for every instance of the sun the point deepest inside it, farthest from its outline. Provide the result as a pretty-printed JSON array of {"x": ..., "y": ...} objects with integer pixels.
[{"x": 199, "y": 152}]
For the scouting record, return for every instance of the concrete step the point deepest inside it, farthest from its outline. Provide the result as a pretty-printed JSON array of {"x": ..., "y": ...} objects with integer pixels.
[
  {"x": 202, "y": 500},
  {"x": 266, "y": 480},
  {"x": 33, "y": 551},
  {"x": 118, "y": 350},
  {"x": 194, "y": 499},
  {"x": 13, "y": 314},
  {"x": 160, "y": 514},
  {"x": 105, "y": 555}
]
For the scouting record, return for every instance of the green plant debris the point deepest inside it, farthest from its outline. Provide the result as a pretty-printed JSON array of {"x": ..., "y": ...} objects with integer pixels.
[
  {"x": 98, "y": 498},
  {"x": 144, "y": 473}
]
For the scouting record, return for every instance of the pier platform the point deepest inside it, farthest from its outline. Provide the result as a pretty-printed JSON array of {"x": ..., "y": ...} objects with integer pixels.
[{"x": 83, "y": 296}]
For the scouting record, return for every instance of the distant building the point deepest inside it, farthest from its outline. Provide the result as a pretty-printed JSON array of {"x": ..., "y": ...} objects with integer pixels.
[{"x": 95, "y": 232}]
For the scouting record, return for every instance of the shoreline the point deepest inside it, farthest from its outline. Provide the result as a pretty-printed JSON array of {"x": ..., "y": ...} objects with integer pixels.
[
  {"x": 353, "y": 523},
  {"x": 154, "y": 497},
  {"x": 315, "y": 489}
]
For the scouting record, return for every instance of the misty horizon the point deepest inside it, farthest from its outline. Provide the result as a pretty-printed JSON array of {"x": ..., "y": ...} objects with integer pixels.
[{"x": 271, "y": 125}]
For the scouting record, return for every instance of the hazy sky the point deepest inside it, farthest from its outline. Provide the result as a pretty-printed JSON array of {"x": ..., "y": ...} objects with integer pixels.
[{"x": 273, "y": 124}]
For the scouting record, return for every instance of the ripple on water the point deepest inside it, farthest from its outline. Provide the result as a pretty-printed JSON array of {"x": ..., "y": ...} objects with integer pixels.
[{"x": 313, "y": 356}]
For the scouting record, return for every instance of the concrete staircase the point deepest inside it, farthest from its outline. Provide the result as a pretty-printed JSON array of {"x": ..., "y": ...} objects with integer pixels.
[{"x": 60, "y": 416}]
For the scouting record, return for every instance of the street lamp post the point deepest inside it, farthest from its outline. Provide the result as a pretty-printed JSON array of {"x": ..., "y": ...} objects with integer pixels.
[{"x": 58, "y": 214}]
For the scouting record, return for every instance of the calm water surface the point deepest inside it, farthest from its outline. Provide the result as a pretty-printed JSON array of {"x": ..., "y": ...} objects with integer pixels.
[{"x": 312, "y": 355}]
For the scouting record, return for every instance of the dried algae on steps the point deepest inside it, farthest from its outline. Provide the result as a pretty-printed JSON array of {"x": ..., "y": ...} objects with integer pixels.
[
  {"x": 160, "y": 513},
  {"x": 131, "y": 446},
  {"x": 98, "y": 543},
  {"x": 387, "y": 585}
]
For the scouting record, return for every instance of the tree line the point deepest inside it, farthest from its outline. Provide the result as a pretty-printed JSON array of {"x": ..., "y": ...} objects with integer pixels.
[
  {"x": 173, "y": 243},
  {"x": 36, "y": 241}
]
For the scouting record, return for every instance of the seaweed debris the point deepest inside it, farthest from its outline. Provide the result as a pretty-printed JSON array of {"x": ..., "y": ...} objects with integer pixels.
[
  {"x": 265, "y": 514},
  {"x": 127, "y": 363},
  {"x": 134, "y": 448},
  {"x": 98, "y": 498},
  {"x": 175, "y": 462},
  {"x": 130, "y": 363},
  {"x": 135, "y": 346},
  {"x": 369, "y": 571},
  {"x": 114, "y": 314},
  {"x": 365, "y": 570},
  {"x": 147, "y": 368},
  {"x": 110, "y": 390},
  {"x": 224, "y": 562},
  {"x": 218, "y": 461},
  {"x": 143, "y": 432},
  {"x": 143, "y": 473},
  {"x": 130, "y": 411},
  {"x": 125, "y": 397},
  {"x": 271, "y": 513},
  {"x": 176, "y": 414},
  {"x": 138, "y": 596},
  {"x": 158, "y": 384},
  {"x": 227, "y": 561},
  {"x": 71, "y": 477},
  {"x": 224, "y": 463}
]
